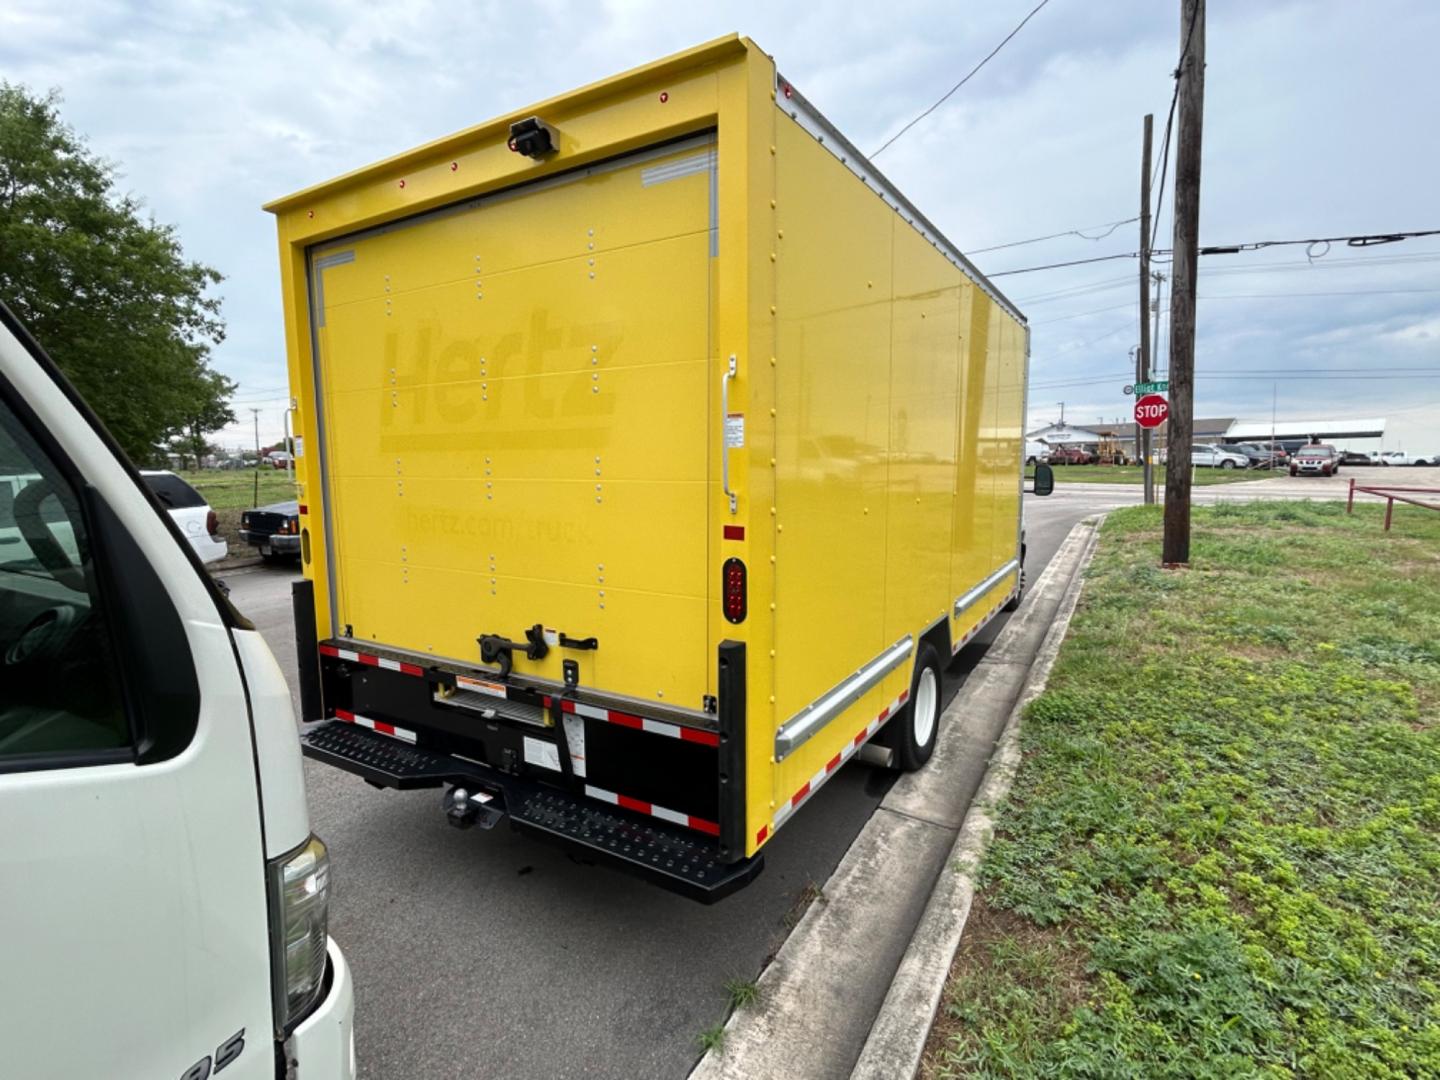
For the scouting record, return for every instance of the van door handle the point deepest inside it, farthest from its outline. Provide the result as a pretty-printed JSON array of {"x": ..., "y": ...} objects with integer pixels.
[{"x": 725, "y": 431}]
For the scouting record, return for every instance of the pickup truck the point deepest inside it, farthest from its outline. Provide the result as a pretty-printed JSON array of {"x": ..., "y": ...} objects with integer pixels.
[{"x": 273, "y": 530}]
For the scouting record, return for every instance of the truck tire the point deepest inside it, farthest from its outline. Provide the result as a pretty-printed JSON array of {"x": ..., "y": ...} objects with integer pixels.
[{"x": 920, "y": 721}]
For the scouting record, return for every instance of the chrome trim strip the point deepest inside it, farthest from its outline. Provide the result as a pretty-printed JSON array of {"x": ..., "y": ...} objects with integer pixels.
[
  {"x": 809, "y": 720},
  {"x": 794, "y": 105},
  {"x": 323, "y": 263},
  {"x": 714, "y": 203},
  {"x": 318, "y": 265},
  {"x": 674, "y": 170},
  {"x": 974, "y": 595}
]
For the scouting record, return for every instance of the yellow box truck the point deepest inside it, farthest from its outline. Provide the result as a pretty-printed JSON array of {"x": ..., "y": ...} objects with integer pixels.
[{"x": 654, "y": 454}]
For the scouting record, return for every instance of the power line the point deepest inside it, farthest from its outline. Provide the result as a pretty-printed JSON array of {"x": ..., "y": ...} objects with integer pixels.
[
  {"x": 1072, "y": 262},
  {"x": 1109, "y": 227},
  {"x": 944, "y": 97},
  {"x": 1361, "y": 240},
  {"x": 1357, "y": 263}
]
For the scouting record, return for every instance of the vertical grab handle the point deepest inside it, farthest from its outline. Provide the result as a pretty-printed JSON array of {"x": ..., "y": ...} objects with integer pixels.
[
  {"x": 725, "y": 431},
  {"x": 289, "y": 444}
]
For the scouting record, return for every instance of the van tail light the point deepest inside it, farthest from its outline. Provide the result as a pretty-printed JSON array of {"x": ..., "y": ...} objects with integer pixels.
[
  {"x": 299, "y": 927},
  {"x": 212, "y": 523},
  {"x": 732, "y": 589}
]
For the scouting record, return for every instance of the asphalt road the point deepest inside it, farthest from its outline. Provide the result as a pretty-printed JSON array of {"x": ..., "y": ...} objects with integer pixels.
[{"x": 482, "y": 954}]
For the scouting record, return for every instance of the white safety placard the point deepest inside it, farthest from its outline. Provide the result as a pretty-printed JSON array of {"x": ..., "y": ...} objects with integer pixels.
[
  {"x": 735, "y": 430},
  {"x": 542, "y": 753},
  {"x": 575, "y": 736}
]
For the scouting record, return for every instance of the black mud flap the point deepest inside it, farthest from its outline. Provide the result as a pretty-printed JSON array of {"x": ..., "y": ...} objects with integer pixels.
[{"x": 672, "y": 857}]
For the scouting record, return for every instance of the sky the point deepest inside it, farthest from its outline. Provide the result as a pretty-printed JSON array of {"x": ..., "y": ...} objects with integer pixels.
[{"x": 1320, "y": 120}]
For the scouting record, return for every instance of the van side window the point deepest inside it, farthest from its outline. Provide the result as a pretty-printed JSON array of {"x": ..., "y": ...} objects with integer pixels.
[{"x": 59, "y": 691}]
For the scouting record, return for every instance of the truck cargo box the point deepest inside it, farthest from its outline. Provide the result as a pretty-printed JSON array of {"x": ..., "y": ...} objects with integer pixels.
[{"x": 652, "y": 448}]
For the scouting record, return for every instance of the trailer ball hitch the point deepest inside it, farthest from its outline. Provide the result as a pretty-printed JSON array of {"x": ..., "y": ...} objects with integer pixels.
[{"x": 464, "y": 808}]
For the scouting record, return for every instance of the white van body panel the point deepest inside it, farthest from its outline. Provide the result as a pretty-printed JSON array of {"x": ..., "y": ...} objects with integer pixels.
[
  {"x": 133, "y": 901},
  {"x": 277, "y": 747},
  {"x": 324, "y": 1043},
  {"x": 134, "y": 897}
]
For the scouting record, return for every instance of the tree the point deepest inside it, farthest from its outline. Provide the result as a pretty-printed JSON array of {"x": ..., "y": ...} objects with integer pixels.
[
  {"x": 210, "y": 411},
  {"x": 108, "y": 292}
]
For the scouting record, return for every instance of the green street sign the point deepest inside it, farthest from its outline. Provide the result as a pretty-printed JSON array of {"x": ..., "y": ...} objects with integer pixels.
[{"x": 1142, "y": 388}]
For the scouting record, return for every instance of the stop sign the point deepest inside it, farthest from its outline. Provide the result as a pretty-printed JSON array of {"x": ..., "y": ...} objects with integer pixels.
[{"x": 1151, "y": 410}]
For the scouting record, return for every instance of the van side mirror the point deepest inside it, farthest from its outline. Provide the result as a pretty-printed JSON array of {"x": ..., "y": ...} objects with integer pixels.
[{"x": 1044, "y": 479}]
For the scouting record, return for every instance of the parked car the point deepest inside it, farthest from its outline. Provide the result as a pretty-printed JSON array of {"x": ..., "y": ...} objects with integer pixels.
[
  {"x": 1071, "y": 455},
  {"x": 1261, "y": 456},
  {"x": 1317, "y": 459},
  {"x": 1432, "y": 460},
  {"x": 1036, "y": 453},
  {"x": 1395, "y": 457},
  {"x": 1217, "y": 457},
  {"x": 274, "y": 530},
  {"x": 189, "y": 510},
  {"x": 1356, "y": 457},
  {"x": 279, "y": 459}
]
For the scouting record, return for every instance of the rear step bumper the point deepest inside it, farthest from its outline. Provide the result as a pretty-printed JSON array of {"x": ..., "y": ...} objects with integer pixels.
[{"x": 670, "y": 857}]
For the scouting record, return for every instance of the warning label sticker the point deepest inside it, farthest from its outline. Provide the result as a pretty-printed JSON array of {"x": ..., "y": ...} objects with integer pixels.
[
  {"x": 542, "y": 753},
  {"x": 735, "y": 430},
  {"x": 480, "y": 686},
  {"x": 575, "y": 736}
]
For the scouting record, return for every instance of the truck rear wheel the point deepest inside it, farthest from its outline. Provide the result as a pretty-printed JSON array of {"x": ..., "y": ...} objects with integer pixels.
[{"x": 920, "y": 722}]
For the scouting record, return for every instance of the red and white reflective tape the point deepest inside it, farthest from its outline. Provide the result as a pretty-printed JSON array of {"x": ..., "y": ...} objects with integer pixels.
[
  {"x": 638, "y": 723},
  {"x": 846, "y": 752},
  {"x": 376, "y": 725},
  {"x": 965, "y": 637},
  {"x": 689, "y": 821},
  {"x": 371, "y": 661}
]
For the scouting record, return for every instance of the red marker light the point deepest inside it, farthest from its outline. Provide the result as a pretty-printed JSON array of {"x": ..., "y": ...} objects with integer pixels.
[
  {"x": 402, "y": 183},
  {"x": 732, "y": 590},
  {"x": 786, "y": 88},
  {"x": 664, "y": 96},
  {"x": 454, "y": 165}
]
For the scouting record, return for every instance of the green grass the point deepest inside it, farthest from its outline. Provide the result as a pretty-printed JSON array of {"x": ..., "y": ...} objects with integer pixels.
[
  {"x": 1221, "y": 856},
  {"x": 234, "y": 489},
  {"x": 743, "y": 993},
  {"x": 1135, "y": 474},
  {"x": 712, "y": 1038}
]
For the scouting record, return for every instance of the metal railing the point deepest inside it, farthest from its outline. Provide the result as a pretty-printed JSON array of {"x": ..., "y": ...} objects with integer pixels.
[{"x": 1392, "y": 493}]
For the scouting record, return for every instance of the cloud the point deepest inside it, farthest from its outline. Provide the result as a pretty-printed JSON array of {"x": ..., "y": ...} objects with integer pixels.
[{"x": 1314, "y": 126}]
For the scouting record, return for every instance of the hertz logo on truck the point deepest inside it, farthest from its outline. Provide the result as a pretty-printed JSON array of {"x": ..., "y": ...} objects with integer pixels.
[{"x": 657, "y": 453}]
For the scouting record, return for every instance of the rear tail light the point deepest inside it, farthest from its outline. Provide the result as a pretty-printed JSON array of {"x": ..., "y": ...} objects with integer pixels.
[
  {"x": 212, "y": 523},
  {"x": 299, "y": 925},
  {"x": 732, "y": 590}
]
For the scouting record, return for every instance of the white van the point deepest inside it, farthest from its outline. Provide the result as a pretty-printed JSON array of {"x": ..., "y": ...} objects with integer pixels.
[{"x": 162, "y": 899}]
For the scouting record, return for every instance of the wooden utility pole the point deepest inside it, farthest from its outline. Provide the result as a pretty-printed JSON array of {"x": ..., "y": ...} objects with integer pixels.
[
  {"x": 1142, "y": 371},
  {"x": 1191, "y": 91}
]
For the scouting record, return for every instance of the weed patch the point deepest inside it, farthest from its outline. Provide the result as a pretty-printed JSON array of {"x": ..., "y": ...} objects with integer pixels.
[{"x": 1221, "y": 855}]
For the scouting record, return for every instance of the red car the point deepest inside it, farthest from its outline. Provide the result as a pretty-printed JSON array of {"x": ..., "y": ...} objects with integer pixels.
[
  {"x": 1071, "y": 455},
  {"x": 1315, "y": 460}
]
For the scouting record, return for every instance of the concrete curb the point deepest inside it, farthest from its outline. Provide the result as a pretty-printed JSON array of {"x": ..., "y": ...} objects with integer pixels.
[
  {"x": 897, "y": 1037},
  {"x": 828, "y": 982}
]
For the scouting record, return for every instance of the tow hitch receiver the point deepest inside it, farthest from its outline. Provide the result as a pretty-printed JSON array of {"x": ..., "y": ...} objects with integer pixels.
[{"x": 464, "y": 808}]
